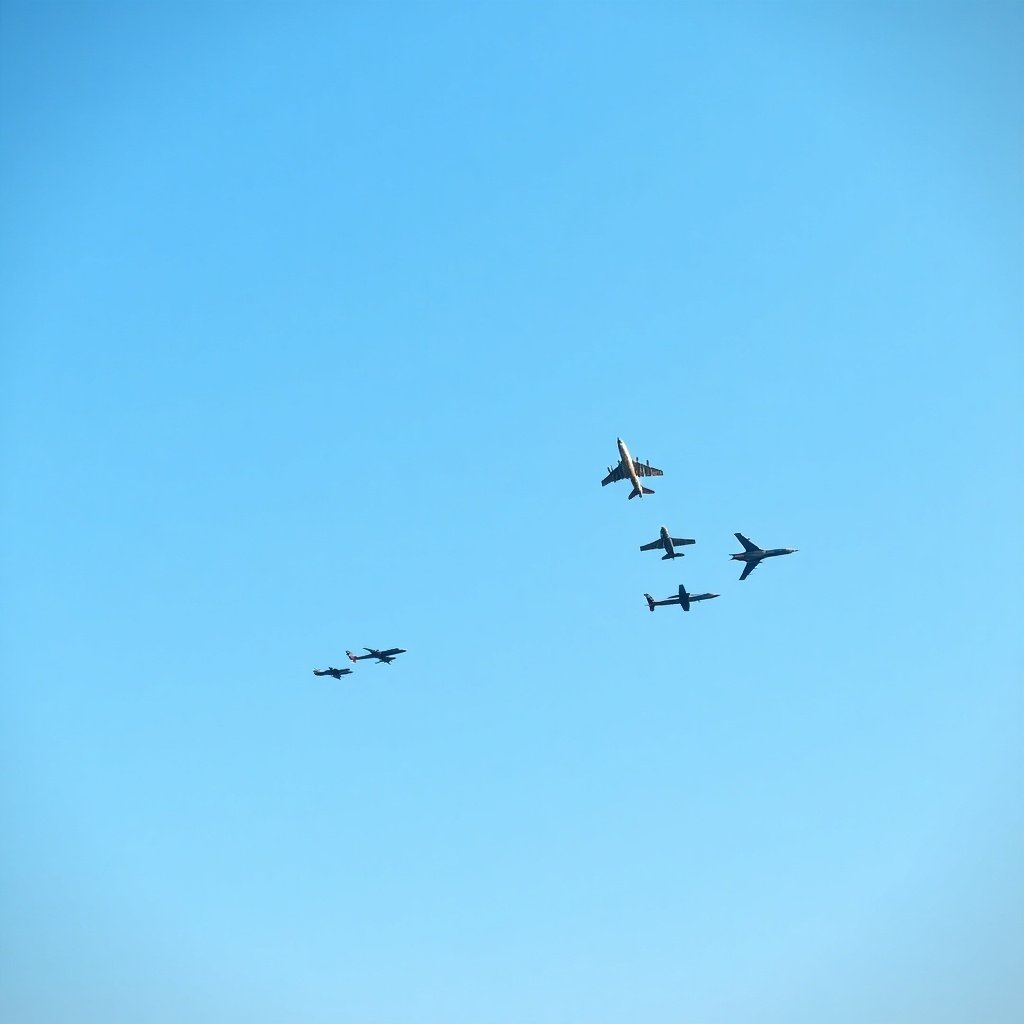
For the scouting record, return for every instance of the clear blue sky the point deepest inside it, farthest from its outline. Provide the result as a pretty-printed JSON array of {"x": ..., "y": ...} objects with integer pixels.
[{"x": 319, "y": 323}]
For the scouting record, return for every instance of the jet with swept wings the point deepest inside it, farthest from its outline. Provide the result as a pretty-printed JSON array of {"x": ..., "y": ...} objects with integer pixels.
[
  {"x": 753, "y": 555},
  {"x": 383, "y": 657},
  {"x": 630, "y": 469},
  {"x": 668, "y": 544},
  {"x": 336, "y": 672},
  {"x": 683, "y": 599}
]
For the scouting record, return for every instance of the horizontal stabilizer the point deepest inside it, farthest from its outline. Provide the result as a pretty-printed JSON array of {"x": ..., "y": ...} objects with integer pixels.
[
  {"x": 675, "y": 554},
  {"x": 636, "y": 493}
]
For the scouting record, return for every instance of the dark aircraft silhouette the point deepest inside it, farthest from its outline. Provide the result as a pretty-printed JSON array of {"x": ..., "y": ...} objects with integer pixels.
[
  {"x": 630, "y": 469},
  {"x": 383, "y": 657},
  {"x": 668, "y": 543},
  {"x": 753, "y": 555},
  {"x": 336, "y": 672},
  {"x": 683, "y": 599}
]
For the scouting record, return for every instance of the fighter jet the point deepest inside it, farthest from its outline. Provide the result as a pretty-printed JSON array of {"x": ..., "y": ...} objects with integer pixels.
[
  {"x": 683, "y": 599},
  {"x": 752, "y": 554},
  {"x": 336, "y": 672},
  {"x": 629, "y": 469},
  {"x": 668, "y": 543},
  {"x": 383, "y": 657}
]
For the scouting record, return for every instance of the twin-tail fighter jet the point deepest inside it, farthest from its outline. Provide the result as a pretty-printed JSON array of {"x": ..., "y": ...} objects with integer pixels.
[
  {"x": 668, "y": 544},
  {"x": 753, "y": 555},
  {"x": 383, "y": 657},
  {"x": 630, "y": 469},
  {"x": 683, "y": 599},
  {"x": 336, "y": 672}
]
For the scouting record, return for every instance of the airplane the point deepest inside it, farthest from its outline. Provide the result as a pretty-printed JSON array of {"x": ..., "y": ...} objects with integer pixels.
[
  {"x": 629, "y": 469},
  {"x": 383, "y": 657},
  {"x": 752, "y": 554},
  {"x": 336, "y": 672},
  {"x": 668, "y": 543},
  {"x": 683, "y": 599}
]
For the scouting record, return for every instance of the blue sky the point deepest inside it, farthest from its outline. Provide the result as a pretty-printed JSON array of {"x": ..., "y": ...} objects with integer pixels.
[{"x": 320, "y": 323}]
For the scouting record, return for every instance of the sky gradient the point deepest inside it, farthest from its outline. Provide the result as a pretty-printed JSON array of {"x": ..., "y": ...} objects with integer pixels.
[{"x": 319, "y": 325}]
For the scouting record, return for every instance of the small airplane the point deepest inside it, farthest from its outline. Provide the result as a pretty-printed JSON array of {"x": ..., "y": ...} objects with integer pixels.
[
  {"x": 753, "y": 555},
  {"x": 630, "y": 469},
  {"x": 683, "y": 599},
  {"x": 336, "y": 672},
  {"x": 668, "y": 543},
  {"x": 383, "y": 657}
]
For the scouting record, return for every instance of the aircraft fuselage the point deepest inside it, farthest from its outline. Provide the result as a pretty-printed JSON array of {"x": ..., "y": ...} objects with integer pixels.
[
  {"x": 670, "y": 549},
  {"x": 756, "y": 556},
  {"x": 626, "y": 461}
]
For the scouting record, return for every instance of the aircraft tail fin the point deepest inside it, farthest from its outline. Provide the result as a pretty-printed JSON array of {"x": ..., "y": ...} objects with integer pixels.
[
  {"x": 351, "y": 656},
  {"x": 650, "y": 601},
  {"x": 637, "y": 491},
  {"x": 675, "y": 554}
]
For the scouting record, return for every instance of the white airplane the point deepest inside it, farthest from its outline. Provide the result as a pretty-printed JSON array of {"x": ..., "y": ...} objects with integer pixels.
[{"x": 630, "y": 469}]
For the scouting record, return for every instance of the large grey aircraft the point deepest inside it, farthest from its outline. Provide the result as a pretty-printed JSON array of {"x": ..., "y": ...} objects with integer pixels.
[
  {"x": 336, "y": 672},
  {"x": 630, "y": 469},
  {"x": 683, "y": 599},
  {"x": 753, "y": 555},
  {"x": 668, "y": 543},
  {"x": 383, "y": 657}
]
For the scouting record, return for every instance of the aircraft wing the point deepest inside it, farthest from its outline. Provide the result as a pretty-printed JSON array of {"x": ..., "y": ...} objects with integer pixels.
[
  {"x": 682, "y": 540},
  {"x": 645, "y": 469},
  {"x": 391, "y": 651},
  {"x": 615, "y": 474},
  {"x": 659, "y": 543},
  {"x": 748, "y": 544},
  {"x": 748, "y": 569}
]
